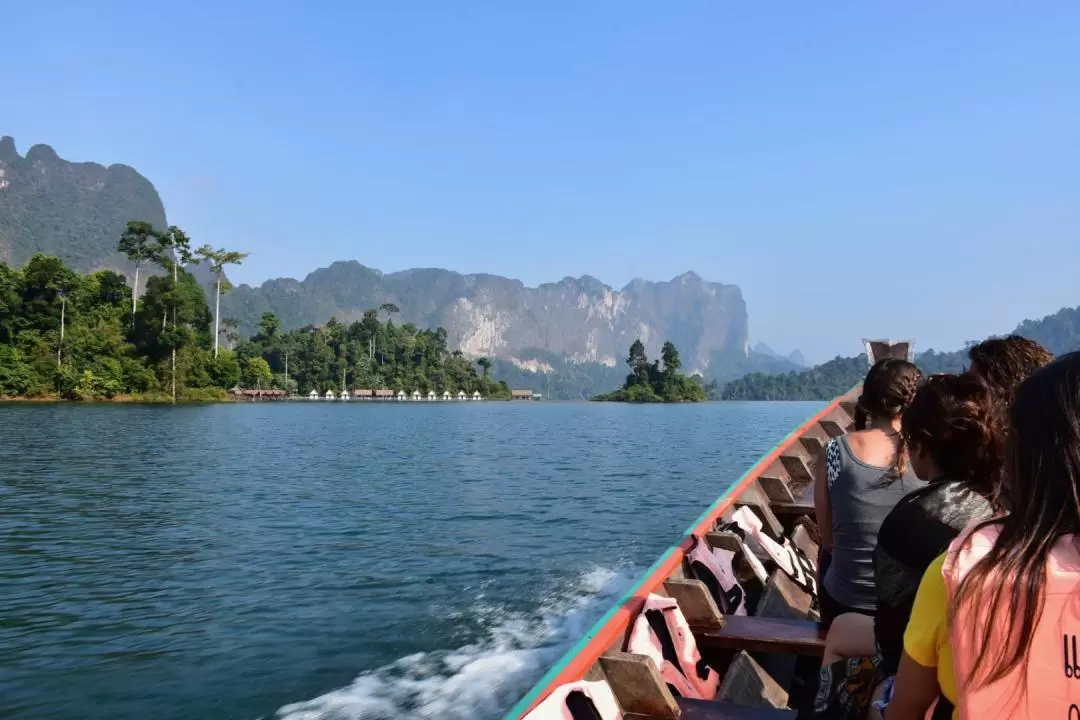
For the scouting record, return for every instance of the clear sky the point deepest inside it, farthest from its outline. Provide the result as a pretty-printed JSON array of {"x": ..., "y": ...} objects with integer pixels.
[{"x": 858, "y": 168}]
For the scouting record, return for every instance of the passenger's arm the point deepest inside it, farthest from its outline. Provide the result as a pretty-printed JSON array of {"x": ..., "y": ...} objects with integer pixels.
[
  {"x": 915, "y": 691},
  {"x": 917, "y": 678}
]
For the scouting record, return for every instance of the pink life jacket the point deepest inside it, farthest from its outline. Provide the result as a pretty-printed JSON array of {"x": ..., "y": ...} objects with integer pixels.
[
  {"x": 715, "y": 567},
  {"x": 582, "y": 700},
  {"x": 662, "y": 633},
  {"x": 1052, "y": 680},
  {"x": 789, "y": 558}
]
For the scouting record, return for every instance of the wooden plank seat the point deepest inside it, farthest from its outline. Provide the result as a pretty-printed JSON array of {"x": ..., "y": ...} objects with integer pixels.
[
  {"x": 746, "y": 693},
  {"x": 706, "y": 710},
  {"x": 783, "y": 633},
  {"x": 797, "y": 508},
  {"x": 764, "y": 634}
]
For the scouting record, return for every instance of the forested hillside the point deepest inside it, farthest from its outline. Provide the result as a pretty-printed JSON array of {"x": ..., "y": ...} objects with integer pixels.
[{"x": 1059, "y": 332}]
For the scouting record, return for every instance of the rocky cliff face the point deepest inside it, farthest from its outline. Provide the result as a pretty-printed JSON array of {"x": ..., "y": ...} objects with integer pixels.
[
  {"x": 581, "y": 318},
  {"x": 74, "y": 210}
]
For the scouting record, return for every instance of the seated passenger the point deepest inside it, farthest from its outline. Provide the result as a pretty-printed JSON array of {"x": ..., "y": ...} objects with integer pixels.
[
  {"x": 1004, "y": 363},
  {"x": 867, "y": 474},
  {"x": 954, "y": 442},
  {"x": 995, "y": 622}
]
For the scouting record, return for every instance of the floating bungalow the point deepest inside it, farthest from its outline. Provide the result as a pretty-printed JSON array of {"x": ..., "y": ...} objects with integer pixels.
[
  {"x": 329, "y": 395},
  {"x": 383, "y": 394},
  {"x": 446, "y": 395},
  {"x": 461, "y": 395},
  {"x": 362, "y": 393},
  {"x": 415, "y": 394},
  {"x": 313, "y": 395},
  {"x": 431, "y": 395},
  {"x": 476, "y": 395},
  {"x": 344, "y": 394},
  {"x": 522, "y": 395}
]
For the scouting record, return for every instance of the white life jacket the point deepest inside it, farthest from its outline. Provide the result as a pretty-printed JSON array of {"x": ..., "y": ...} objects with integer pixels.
[
  {"x": 661, "y": 633},
  {"x": 716, "y": 568},
  {"x": 792, "y": 560},
  {"x": 582, "y": 700}
]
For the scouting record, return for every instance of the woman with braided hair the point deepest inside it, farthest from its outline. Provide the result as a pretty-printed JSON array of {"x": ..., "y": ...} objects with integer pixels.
[{"x": 867, "y": 474}]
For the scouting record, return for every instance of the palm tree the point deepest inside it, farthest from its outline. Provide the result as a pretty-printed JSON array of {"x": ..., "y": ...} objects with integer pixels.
[
  {"x": 138, "y": 243},
  {"x": 218, "y": 259}
]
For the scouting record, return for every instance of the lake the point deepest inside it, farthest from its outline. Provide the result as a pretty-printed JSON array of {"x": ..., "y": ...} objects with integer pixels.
[{"x": 334, "y": 561}]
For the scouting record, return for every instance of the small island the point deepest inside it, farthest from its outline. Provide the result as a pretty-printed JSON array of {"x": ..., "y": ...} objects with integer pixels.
[{"x": 651, "y": 383}]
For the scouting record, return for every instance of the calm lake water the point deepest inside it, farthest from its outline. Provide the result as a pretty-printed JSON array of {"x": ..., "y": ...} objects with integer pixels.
[{"x": 333, "y": 561}]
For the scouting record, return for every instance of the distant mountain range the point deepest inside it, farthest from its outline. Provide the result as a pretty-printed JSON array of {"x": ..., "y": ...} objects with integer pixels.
[
  {"x": 578, "y": 318},
  {"x": 569, "y": 337},
  {"x": 795, "y": 357}
]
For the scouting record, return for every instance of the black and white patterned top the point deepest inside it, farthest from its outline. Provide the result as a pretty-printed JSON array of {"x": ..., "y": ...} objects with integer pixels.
[{"x": 832, "y": 461}]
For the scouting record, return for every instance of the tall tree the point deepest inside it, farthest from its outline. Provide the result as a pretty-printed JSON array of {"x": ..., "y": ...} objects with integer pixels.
[
  {"x": 485, "y": 365},
  {"x": 218, "y": 259},
  {"x": 638, "y": 362},
  {"x": 139, "y": 243},
  {"x": 670, "y": 356},
  {"x": 174, "y": 249}
]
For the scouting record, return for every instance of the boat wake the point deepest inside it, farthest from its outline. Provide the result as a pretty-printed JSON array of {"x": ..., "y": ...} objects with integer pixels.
[{"x": 480, "y": 680}]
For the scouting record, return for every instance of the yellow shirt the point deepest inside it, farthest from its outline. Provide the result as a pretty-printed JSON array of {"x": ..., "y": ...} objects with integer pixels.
[{"x": 926, "y": 638}]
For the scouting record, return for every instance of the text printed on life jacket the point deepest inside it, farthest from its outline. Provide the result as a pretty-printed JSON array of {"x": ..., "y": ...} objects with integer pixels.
[
  {"x": 1072, "y": 662},
  {"x": 1072, "y": 669}
]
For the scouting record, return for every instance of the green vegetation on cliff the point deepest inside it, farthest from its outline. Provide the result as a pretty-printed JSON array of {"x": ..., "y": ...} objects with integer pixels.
[{"x": 651, "y": 383}]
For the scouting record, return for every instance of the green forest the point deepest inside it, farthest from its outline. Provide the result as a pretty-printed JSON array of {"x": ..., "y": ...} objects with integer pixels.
[
  {"x": 656, "y": 383},
  {"x": 1059, "y": 333},
  {"x": 85, "y": 336}
]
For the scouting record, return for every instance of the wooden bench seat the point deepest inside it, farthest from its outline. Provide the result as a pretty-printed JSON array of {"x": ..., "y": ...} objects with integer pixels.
[
  {"x": 706, "y": 710},
  {"x": 794, "y": 509},
  {"x": 764, "y": 634}
]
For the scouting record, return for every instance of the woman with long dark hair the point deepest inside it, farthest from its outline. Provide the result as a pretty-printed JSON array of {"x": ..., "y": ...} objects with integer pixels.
[
  {"x": 867, "y": 474},
  {"x": 953, "y": 436},
  {"x": 996, "y": 618}
]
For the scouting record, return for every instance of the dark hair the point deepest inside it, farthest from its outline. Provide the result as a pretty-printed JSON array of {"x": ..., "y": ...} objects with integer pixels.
[
  {"x": 1043, "y": 488},
  {"x": 887, "y": 391},
  {"x": 955, "y": 419},
  {"x": 1004, "y": 363}
]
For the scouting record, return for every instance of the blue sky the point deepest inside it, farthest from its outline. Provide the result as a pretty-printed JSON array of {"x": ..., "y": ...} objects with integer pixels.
[{"x": 886, "y": 169}]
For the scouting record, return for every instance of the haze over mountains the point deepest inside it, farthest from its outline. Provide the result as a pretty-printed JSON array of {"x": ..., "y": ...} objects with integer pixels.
[{"x": 78, "y": 210}]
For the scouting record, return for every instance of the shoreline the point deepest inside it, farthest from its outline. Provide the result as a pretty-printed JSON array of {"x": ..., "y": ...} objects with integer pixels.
[{"x": 118, "y": 400}]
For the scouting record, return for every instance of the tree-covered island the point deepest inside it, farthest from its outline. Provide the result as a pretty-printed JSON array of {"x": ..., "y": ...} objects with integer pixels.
[
  {"x": 655, "y": 382},
  {"x": 72, "y": 336}
]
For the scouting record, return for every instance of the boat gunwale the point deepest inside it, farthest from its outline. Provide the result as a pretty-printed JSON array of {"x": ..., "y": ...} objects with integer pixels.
[{"x": 576, "y": 662}]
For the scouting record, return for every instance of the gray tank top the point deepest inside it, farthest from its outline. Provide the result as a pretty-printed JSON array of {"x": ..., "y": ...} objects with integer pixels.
[{"x": 860, "y": 496}]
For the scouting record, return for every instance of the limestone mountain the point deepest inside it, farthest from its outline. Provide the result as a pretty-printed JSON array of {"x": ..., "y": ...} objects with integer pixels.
[
  {"x": 75, "y": 210},
  {"x": 579, "y": 318}
]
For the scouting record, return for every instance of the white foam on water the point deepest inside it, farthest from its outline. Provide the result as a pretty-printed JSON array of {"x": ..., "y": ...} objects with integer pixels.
[{"x": 480, "y": 680}]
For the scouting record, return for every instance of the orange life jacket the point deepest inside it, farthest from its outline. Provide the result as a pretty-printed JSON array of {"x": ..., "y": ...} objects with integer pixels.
[
  {"x": 582, "y": 700},
  {"x": 1049, "y": 687},
  {"x": 662, "y": 634}
]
